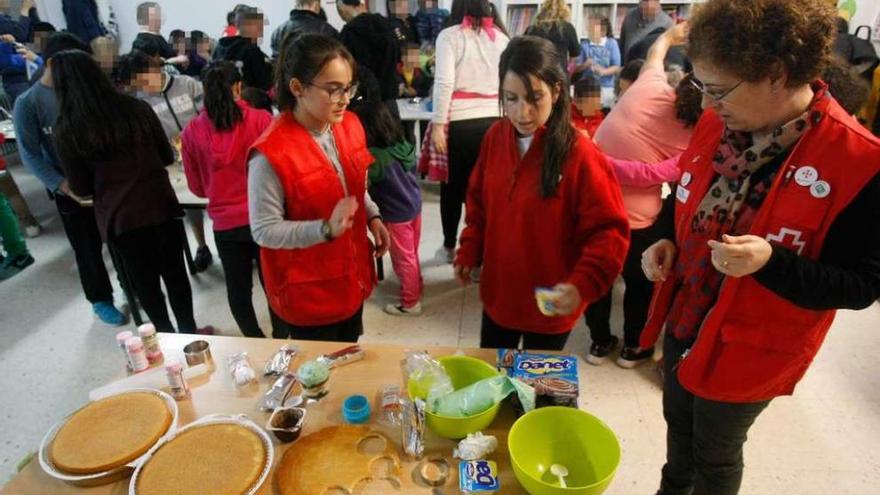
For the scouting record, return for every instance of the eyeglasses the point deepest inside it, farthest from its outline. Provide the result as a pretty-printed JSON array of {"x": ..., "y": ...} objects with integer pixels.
[
  {"x": 716, "y": 97},
  {"x": 338, "y": 93}
]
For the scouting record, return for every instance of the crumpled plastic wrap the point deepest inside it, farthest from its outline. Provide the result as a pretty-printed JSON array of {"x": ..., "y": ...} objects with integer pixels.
[
  {"x": 475, "y": 446},
  {"x": 427, "y": 374},
  {"x": 481, "y": 396}
]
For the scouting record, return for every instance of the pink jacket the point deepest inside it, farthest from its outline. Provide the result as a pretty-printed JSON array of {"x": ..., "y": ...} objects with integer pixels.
[
  {"x": 216, "y": 164},
  {"x": 638, "y": 174}
]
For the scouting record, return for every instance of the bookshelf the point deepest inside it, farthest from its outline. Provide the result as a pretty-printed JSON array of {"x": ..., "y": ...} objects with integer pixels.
[{"x": 519, "y": 14}]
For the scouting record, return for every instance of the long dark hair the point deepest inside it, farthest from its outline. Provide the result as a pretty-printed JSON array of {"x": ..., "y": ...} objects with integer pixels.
[
  {"x": 478, "y": 9},
  {"x": 94, "y": 119},
  {"x": 381, "y": 127},
  {"x": 533, "y": 56},
  {"x": 304, "y": 57},
  {"x": 219, "y": 78}
]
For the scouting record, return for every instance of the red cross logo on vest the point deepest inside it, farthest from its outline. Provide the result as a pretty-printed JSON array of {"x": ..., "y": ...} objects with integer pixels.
[{"x": 789, "y": 238}]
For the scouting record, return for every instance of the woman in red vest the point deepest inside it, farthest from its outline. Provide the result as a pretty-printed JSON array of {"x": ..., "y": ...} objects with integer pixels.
[
  {"x": 772, "y": 227},
  {"x": 543, "y": 209},
  {"x": 308, "y": 202}
]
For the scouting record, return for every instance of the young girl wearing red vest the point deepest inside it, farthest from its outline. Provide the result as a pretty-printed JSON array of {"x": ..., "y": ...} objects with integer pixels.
[
  {"x": 543, "y": 209},
  {"x": 774, "y": 227},
  {"x": 214, "y": 149},
  {"x": 308, "y": 203}
]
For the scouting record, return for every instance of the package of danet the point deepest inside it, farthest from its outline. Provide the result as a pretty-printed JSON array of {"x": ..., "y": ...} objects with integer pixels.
[
  {"x": 278, "y": 393},
  {"x": 280, "y": 362},
  {"x": 478, "y": 476},
  {"x": 554, "y": 377},
  {"x": 506, "y": 360}
]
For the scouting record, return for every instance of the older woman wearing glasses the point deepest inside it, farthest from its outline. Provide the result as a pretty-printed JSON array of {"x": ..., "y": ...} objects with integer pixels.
[
  {"x": 309, "y": 206},
  {"x": 773, "y": 227}
]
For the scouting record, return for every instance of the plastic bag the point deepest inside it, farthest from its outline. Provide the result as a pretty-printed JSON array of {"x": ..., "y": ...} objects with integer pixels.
[
  {"x": 481, "y": 396},
  {"x": 428, "y": 375},
  {"x": 475, "y": 446},
  {"x": 240, "y": 369}
]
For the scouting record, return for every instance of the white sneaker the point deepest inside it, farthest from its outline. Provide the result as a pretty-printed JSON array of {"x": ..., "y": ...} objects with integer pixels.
[
  {"x": 395, "y": 310},
  {"x": 446, "y": 254},
  {"x": 32, "y": 231}
]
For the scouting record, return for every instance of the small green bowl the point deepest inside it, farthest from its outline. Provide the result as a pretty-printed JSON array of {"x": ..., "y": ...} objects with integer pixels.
[
  {"x": 570, "y": 437},
  {"x": 463, "y": 371}
]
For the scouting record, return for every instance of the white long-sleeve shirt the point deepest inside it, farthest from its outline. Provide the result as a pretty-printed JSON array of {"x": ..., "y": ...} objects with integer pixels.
[{"x": 467, "y": 60}]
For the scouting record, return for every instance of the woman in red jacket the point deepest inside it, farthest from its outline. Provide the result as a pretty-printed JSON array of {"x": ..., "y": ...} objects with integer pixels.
[
  {"x": 309, "y": 206},
  {"x": 215, "y": 146},
  {"x": 775, "y": 227},
  {"x": 543, "y": 209}
]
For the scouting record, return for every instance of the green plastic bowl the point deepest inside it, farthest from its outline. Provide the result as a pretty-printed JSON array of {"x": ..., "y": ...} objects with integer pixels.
[
  {"x": 570, "y": 437},
  {"x": 463, "y": 371}
]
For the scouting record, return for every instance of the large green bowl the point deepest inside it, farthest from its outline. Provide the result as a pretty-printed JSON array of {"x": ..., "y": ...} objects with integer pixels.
[
  {"x": 570, "y": 437},
  {"x": 463, "y": 371}
]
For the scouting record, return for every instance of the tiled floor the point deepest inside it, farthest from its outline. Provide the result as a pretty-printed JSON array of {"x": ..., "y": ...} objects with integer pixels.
[{"x": 824, "y": 440}]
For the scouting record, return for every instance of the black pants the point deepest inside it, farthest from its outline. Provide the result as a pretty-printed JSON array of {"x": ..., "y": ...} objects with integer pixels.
[
  {"x": 463, "y": 144},
  {"x": 494, "y": 336},
  {"x": 155, "y": 253},
  {"x": 636, "y": 298},
  {"x": 85, "y": 239},
  {"x": 704, "y": 438},
  {"x": 238, "y": 255},
  {"x": 348, "y": 330}
]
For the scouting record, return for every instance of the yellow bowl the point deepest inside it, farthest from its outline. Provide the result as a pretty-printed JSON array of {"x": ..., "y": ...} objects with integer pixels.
[
  {"x": 463, "y": 371},
  {"x": 570, "y": 437}
]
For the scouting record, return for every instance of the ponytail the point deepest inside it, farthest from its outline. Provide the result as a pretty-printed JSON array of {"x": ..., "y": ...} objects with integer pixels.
[{"x": 219, "y": 78}]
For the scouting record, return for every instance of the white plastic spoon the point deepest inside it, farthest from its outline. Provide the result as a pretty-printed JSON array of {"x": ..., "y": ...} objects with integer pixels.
[{"x": 560, "y": 472}]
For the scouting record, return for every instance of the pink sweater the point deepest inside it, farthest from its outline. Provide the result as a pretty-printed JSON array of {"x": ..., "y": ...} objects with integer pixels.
[
  {"x": 216, "y": 164},
  {"x": 634, "y": 173},
  {"x": 643, "y": 127}
]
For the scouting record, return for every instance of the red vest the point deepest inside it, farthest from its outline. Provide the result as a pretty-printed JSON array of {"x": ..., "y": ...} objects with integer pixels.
[
  {"x": 328, "y": 282},
  {"x": 753, "y": 344}
]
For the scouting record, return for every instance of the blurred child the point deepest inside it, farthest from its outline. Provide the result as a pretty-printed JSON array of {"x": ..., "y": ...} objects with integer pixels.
[
  {"x": 586, "y": 111},
  {"x": 149, "y": 40},
  {"x": 402, "y": 22},
  {"x": 429, "y": 21},
  {"x": 394, "y": 187},
  {"x": 413, "y": 80}
]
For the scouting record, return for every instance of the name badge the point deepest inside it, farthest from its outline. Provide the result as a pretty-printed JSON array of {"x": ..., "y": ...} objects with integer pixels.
[{"x": 682, "y": 194}]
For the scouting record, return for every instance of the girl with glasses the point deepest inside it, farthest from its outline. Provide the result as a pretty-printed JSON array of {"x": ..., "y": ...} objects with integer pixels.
[{"x": 309, "y": 207}]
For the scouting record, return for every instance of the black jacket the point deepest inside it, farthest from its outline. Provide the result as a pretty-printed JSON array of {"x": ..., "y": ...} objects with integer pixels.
[
  {"x": 301, "y": 22},
  {"x": 370, "y": 39},
  {"x": 82, "y": 19},
  {"x": 256, "y": 69},
  {"x": 563, "y": 36},
  {"x": 154, "y": 45}
]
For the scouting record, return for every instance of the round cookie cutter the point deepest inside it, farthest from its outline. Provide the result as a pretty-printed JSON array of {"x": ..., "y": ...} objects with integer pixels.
[{"x": 442, "y": 466}]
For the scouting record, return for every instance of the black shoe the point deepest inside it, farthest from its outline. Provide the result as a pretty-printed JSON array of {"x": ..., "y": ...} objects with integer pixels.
[
  {"x": 14, "y": 265},
  {"x": 600, "y": 350},
  {"x": 630, "y": 357},
  {"x": 203, "y": 259}
]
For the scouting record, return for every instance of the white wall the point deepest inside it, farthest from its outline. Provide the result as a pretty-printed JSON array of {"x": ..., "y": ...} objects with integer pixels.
[{"x": 189, "y": 15}]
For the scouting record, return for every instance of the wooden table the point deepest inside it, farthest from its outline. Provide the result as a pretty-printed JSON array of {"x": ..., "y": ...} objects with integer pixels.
[{"x": 215, "y": 393}]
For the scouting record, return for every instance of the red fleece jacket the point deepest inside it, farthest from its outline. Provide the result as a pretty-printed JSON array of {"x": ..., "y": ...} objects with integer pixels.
[
  {"x": 579, "y": 236},
  {"x": 216, "y": 164}
]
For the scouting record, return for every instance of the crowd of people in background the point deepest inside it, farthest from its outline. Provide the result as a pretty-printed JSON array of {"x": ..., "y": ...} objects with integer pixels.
[{"x": 555, "y": 149}]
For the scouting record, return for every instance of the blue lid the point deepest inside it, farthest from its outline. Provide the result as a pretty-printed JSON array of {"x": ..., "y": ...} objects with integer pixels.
[{"x": 356, "y": 409}]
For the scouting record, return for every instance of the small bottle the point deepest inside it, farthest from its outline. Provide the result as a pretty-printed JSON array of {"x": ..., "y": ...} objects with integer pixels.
[
  {"x": 138, "y": 355},
  {"x": 147, "y": 333},
  {"x": 176, "y": 380},
  {"x": 121, "y": 337}
]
